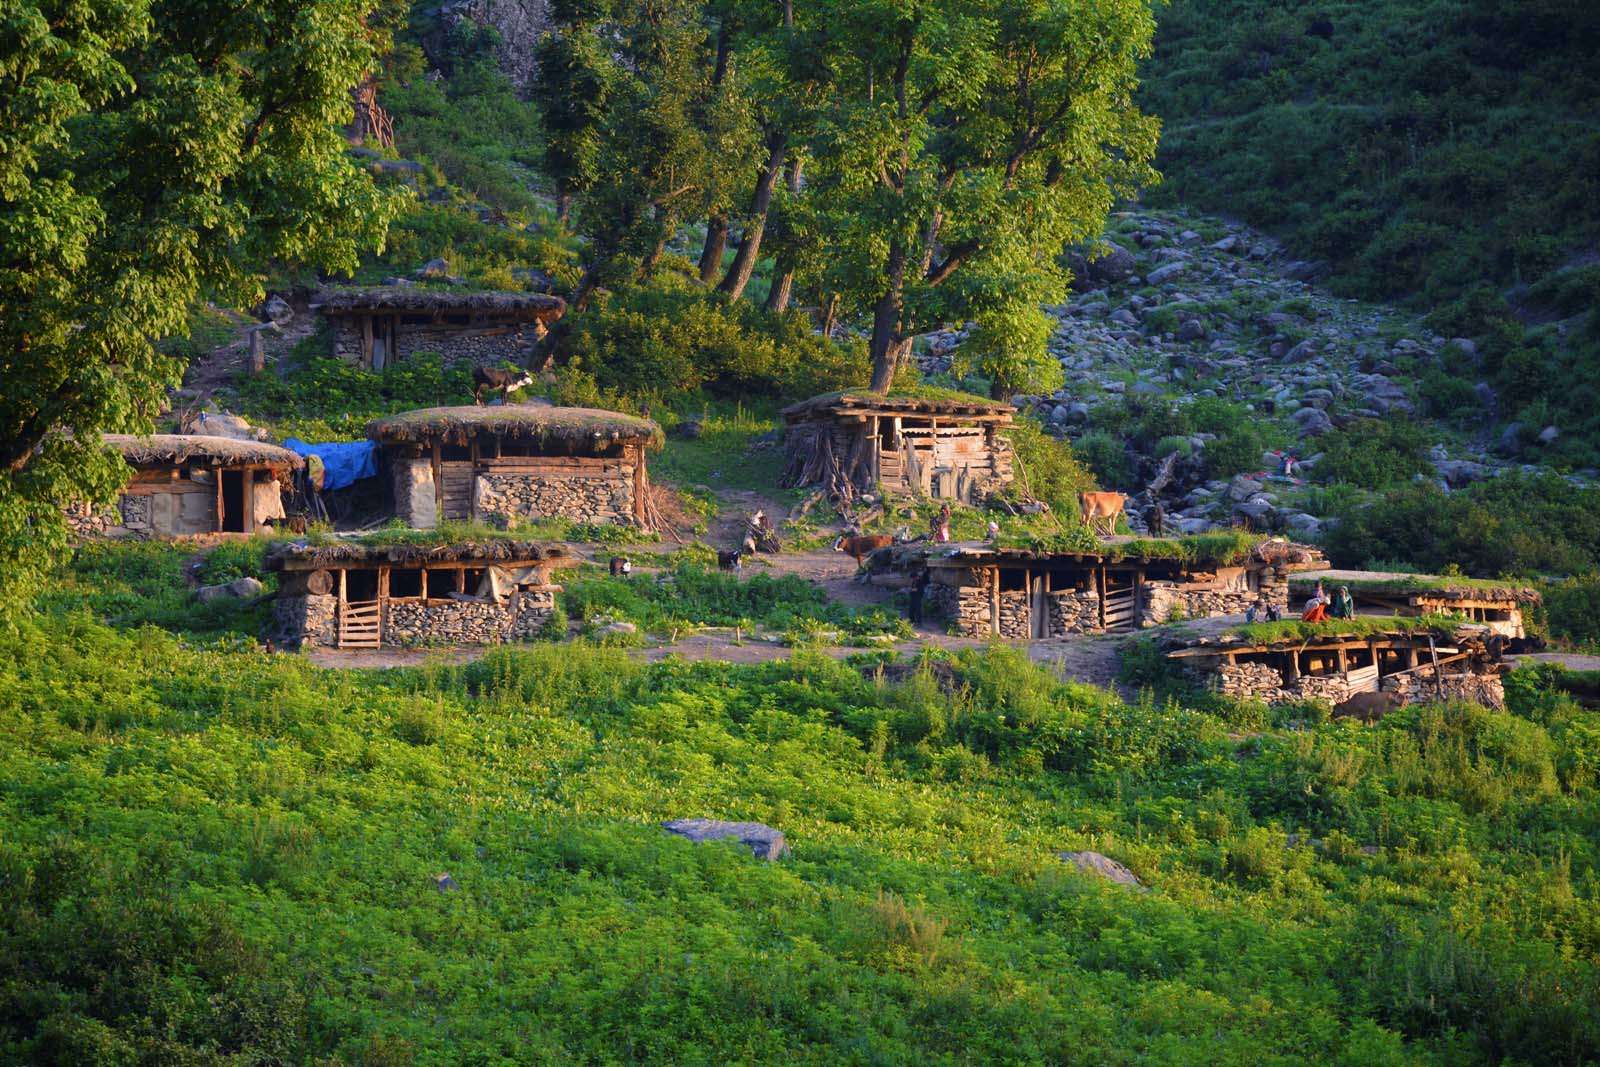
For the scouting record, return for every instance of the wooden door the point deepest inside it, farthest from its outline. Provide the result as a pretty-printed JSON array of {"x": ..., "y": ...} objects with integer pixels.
[
  {"x": 360, "y": 624},
  {"x": 456, "y": 485}
]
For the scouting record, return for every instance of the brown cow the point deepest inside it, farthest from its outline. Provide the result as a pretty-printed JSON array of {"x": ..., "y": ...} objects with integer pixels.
[
  {"x": 862, "y": 545},
  {"x": 1366, "y": 707},
  {"x": 1106, "y": 506}
]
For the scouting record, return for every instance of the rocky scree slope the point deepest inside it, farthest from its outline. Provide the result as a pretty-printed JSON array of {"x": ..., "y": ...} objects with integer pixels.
[{"x": 1174, "y": 307}]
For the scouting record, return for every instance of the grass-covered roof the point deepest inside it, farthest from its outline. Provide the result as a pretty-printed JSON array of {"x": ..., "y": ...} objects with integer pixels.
[
  {"x": 918, "y": 401},
  {"x": 305, "y": 555},
  {"x": 1445, "y": 587},
  {"x": 172, "y": 449},
  {"x": 416, "y": 298},
  {"x": 538, "y": 422}
]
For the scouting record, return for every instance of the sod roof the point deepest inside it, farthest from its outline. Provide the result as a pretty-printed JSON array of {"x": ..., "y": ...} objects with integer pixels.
[
  {"x": 918, "y": 402},
  {"x": 591, "y": 427},
  {"x": 172, "y": 449},
  {"x": 414, "y": 298},
  {"x": 299, "y": 555},
  {"x": 1415, "y": 586}
]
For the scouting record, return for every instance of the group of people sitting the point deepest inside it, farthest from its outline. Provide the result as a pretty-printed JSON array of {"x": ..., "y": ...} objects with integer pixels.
[{"x": 1320, "y": 607}]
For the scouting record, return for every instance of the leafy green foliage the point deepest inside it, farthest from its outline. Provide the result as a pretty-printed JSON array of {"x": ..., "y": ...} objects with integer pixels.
[
  {"x": 692, "y": 595},
  {"x": 155, "y": 154},
  {"x": 661, "y": 342},
  {"x": 1047, "y": 469},
  {"x": 1374, "y": 453},
  {"x": 213, "y": 852},
  {"x": 1513, "y": 524},
  {"x": 1572, "y": 609},
  {"x": 325, "y": 398}
]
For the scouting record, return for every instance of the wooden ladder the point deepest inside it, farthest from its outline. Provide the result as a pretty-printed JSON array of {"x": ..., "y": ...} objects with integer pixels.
[{"x": 359, "y": 624}]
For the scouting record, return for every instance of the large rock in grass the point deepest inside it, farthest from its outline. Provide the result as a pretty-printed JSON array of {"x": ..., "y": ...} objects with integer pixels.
[
  {"x": 763, "y": 841},
  {"x": 238, "y": 589},
  {"x": 1103, "y": 867}
]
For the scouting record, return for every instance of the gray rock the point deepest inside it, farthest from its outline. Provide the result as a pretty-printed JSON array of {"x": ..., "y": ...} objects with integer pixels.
[
  {"x": 1243, "y": 488},
  {"x": 238, "y": 589},
  {"x": 1301, "y": 352},
  {"x": 764, "y": 842},
  {"x": 1188, "y": 237},
  {"x": 1103, "y": 867},
  {"x": 1191, "y": 330},
  {"x": 1313, "y": 422},
  {"x": 1078, "y": 412},
  {"x": 1227, "y": 244},
  {"x": 1459, "y": 472},
  {"x": 689, "y": 429},
  {"x": 434, "y": 268},
  {"x": 1302, "y": 524},
  {"x": 444, "y": 883},
  {"x": 616, "y": 628},
  {"x": 1549, "y": 434},
  {"x": 1124, "y": 316},
  {"x": 1486, "y": 396},
  {"x": 1167, "y": 271},
  {"x": 1511, "y": 439},
  {"x": 277, "y": 309},
  {"x": 1466, "y": 345}
]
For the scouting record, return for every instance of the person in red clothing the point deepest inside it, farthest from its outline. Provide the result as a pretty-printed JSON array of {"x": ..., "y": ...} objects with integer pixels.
[{"x": 1316, "y": 610}]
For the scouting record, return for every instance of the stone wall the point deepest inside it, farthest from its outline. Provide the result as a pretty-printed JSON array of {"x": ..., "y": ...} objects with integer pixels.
[
  {"x": 1074, "y": 612},
  {"x": 1164, "y": 601},
  {"x": 967, "y": 607},
  {"x": 1246, "y": 681},
  {"x": 305, "y": 621},
  {"x": 414, "y": 501},
  {"x": 463, "y": 622},
  {"x": 1330, "y": 688},
  {"x": 581, "y": 497},
  {"x": 1418, "y": 686},
  {"x": 472, "y": 344},
  {"x": 1016, "y": 620}
]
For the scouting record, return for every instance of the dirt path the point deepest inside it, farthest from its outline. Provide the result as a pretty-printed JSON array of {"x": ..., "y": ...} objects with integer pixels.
[{"x": 1573, "y": 661}]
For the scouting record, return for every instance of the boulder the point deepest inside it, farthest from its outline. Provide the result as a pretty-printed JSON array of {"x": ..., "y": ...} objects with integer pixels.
[
  {"x": 238, "y": 589},
  {"x": 1302, "y": 524},
  {"x": 1102, "y": 867},
  {"x": 1486, "y": 396},
  {"x": 1300, "y": 352},
  {"x": 689, "y": 429},
  {"x": 1125, "y": 317},
  {"x": 213, "y": 425},
  {"x": 1313, "y": 422},
  {"x": 1459, "y": 472},
  {"x": 1167, "y": 271},
  {"x": 763, "y": 841},
  {"x": 616, "y": 629},
  {"x": 1229, "y": 243},
  {"x": 1511, "y": 439},
  {"x": 1242, "y": 488},
  {"x": 1549, "y": 434},
  {"x": 434, "y": 268},
  {"x": 277, "y": 309},
  {"x": 1191, "y": 330},
  {"x": 444, "y": 883}
]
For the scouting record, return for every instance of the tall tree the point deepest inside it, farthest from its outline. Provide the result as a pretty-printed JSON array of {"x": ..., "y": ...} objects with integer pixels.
[
  {"x": 969, "y": 141},
  {"x": 152, "y": 151}
]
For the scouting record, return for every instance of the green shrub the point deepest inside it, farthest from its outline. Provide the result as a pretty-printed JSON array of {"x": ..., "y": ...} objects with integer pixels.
[
  {"x": 1374, "y": 453},
  {"x": 1572, "y": 609},
  {"x": 1107, "y": 458}
]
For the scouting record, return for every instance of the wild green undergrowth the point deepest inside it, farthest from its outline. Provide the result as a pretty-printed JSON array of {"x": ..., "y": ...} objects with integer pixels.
[
  {"x": 323, "y": 398},
  {"x": 1440, "y": 151},
  {"x": 690, "y": 595},
  {"x": 223, "y": 854}
]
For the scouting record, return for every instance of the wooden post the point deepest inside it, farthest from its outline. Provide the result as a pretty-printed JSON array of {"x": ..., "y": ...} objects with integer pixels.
[
  {"x": 1292, "y": 674},
  {"x": 383, "y": 583},
  {"x": 438, "y": 484},
  {"x": 216, "y": 477},
  {"x": 1344, "y": 664},
  {"x": 1100, "y": 580},
  {"x": 993, "y": 578},
  {"x": 258, "y": 353},
  {"x": 344, "y": 588},
  {"x": 366, "y": 340},
  {"x": 247, "y": 499}
]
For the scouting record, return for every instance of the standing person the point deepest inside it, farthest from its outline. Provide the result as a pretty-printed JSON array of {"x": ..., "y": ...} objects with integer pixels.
[
  {"x": 941, "y": 525},
  {"x": 919, "y": 589},
  {"x": 994, "y": 531},
  {"x": 1274, "y": 613}
]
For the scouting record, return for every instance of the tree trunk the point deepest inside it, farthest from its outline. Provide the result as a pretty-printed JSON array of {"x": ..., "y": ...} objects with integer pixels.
[
  {"x": 830, "y": 315},
  {"x": 564, "y": 207},
  {"x": 782, "y": 286},
  {"x": 716, "y": 242},
  {"x": 886, "y": 322},
  {"x": 652, "y": 259},
  {"x": 744, "y": 263}
]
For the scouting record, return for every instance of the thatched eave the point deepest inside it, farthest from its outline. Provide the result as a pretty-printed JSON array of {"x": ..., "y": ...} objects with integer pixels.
[
  {"x": 575, "y": 427},
  {"x": 295, "y": 556},
  {"x": 175, "y": 449},
  {"x": 406, "y": 298}
]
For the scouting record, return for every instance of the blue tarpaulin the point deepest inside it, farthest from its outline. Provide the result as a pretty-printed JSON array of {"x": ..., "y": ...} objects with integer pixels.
[{"x": 342, "y": 462}]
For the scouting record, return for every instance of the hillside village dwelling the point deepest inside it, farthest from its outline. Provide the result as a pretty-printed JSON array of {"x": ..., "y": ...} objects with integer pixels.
[
  {"x": 949, "y": 448},
  {"x": 1497, "y": 606},
  {"x": 518, "y": 462},
  {"x": 358, "y": 595},
  {"x": 1418, "y": 664},
  {"x": 374, "y": 327},
  {"x": 1025, "y": 594},
  {"x": 186, "y": 484}
]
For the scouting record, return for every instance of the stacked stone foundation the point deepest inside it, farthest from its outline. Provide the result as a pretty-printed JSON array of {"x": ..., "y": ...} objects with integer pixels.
[
  {"x": 305, "y": 621},
  {"x": 584, "y": 498}
]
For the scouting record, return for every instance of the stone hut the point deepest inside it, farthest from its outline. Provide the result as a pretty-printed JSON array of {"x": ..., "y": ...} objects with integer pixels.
[
  {"x": 518, "y": 462},
  {"x": 374, "y": 327},
  {"x": 948, "y": 446},
  {"x": 187, "y": 484},
  {"x": 1334, "y": 661},
  {"x": 1499, "y": 606},
  {"x": 354, "y": 594},
  {"x": 1025, "y": 594}
]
